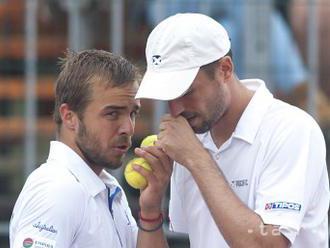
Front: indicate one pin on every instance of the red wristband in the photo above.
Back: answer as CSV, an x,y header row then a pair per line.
x,y
160,217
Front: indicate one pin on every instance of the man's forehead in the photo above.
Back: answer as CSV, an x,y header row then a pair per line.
x,y
127,88
115,97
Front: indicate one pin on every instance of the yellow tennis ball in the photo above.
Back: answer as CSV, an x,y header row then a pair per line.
x,y
133,178
149,140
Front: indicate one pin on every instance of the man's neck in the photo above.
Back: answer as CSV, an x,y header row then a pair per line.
x,y
224,128
68,139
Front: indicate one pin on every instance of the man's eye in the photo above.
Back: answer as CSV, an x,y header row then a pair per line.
x,y
112,114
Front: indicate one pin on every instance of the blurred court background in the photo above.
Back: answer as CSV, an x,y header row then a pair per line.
x,y
284,42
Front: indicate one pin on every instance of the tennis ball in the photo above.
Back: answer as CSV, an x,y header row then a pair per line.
x,y
133,178
149,140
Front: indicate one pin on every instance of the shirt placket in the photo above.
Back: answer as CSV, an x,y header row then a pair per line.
x,y
111,197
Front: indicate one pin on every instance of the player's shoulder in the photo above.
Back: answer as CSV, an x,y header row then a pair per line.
x,y
282,115
284,123
53,184
51,196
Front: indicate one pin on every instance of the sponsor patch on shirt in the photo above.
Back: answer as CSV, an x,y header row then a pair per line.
x,y
28,242
239,183
38,242
49,228
283,205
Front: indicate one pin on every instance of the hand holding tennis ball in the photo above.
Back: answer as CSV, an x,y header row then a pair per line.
x,y
133,178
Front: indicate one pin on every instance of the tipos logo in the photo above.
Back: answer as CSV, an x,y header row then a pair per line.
x,y
28,242
283,205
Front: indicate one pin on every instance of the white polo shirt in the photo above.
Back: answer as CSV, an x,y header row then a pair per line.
x,y
275,162
65,204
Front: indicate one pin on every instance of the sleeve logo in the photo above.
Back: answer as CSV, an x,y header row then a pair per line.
x,y
283,205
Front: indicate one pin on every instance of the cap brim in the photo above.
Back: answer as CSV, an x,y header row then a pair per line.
x,y
166,85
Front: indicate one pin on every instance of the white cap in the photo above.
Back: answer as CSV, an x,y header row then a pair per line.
x,y
176,49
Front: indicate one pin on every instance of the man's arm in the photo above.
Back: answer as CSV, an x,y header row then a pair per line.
x,y
239,225
152,234
150,220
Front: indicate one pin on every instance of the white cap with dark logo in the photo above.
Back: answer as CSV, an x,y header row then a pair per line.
x,y
176,49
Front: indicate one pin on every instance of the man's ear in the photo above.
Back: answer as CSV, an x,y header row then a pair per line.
x,y
69,118
226,67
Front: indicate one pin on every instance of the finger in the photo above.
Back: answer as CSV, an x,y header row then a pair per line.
x,y
150,177
182,119
163,139
160,136
164,124
161,128
153,161
158,152
166,117
159,163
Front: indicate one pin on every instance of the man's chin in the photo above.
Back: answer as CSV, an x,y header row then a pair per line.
x,y
113,165
117,166
200,129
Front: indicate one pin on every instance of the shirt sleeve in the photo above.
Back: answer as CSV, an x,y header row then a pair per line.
x,y
176,211
289,182
50,216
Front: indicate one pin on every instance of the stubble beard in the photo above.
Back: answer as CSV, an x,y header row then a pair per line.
x,y
92,151
217,111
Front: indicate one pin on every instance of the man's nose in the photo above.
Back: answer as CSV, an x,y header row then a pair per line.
x,y
175,107
127,126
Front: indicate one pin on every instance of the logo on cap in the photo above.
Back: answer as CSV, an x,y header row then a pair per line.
x,y
156,60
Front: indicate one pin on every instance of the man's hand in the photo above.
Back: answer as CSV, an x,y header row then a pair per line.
x,y
178,140
158,179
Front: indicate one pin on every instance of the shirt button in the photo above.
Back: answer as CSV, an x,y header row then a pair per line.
x,y
217,157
